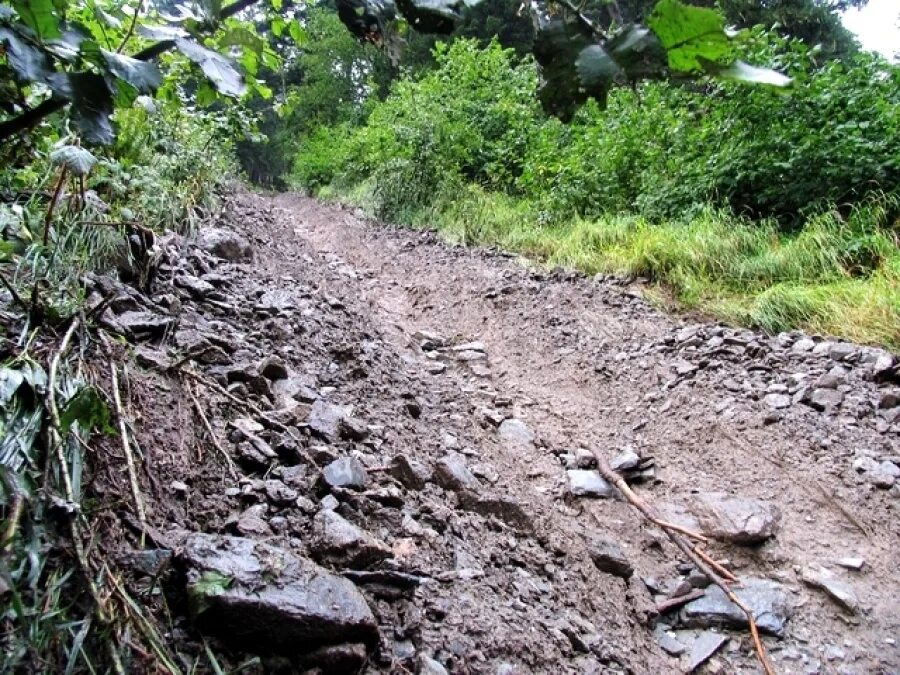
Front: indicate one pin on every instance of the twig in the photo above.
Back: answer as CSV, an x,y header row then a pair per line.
x,y
14,293
724,573
684,544
137,11
126,447
209,430
53,200
54,410
678,601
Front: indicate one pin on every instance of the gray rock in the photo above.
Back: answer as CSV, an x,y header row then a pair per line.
x,y
609,557
224,243
252,522
885,475
626,461
428,666
777,401
280,494
584,483
412,473
706,644
325,418
151,358
824,400
145,323
346,472
852,563
516,431
740,520
669,643
451,473
504,508
843,351
469,347
340,542
833,379
889,399
273,368
193,285
766,599
803,345
817,576
268,599
335,659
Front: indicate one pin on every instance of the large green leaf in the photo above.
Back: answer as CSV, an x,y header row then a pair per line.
x,y
691,36
92,104
143,76
218,69
30,63
558,44
76,159
638,51
40,16
88,410
596,68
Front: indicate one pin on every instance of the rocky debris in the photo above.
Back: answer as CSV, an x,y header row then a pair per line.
x,y
740,520
706,644
584,483
273,368
609,557
224,243
516,431
252,522
340,542
428,666
882,474
451,473
504,508
669,643
267,599
766,599
627,460
141,323
822,399
410,472
852,563
325,418
194,285
345,472
841,592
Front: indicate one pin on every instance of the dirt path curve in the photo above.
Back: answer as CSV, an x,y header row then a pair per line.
x,y
588,363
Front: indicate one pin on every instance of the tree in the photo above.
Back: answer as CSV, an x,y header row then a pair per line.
x,y
47,50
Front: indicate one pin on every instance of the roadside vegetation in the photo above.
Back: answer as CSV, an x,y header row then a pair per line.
x,y
772,209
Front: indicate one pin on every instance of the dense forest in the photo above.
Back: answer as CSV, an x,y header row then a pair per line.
x,y
731,158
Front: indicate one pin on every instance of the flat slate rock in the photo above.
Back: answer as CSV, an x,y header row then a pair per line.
x,y
739,520
706,644
584,483
608,557
841,592
338,541
516,431
345,472
451,473
325,418
267,599
766,599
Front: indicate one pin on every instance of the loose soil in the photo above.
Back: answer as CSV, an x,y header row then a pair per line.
x,y
367,316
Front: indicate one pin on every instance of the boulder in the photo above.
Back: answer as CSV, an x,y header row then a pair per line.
x,y
766,599
267,599
224,243
340,542
740,520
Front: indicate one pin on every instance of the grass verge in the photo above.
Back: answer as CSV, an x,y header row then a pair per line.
x,y
838,275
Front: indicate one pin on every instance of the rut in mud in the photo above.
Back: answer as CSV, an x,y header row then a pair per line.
x,y
412,490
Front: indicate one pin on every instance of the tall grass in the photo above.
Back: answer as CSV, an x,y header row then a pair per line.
x,y
837,275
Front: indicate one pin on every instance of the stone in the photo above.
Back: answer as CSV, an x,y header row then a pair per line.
x,y
428,666
503,508
626,461
410,472
340,542
852,563
148,357
777,401
608,557
280,494
335,659
352,429
740,520
833,379
706,644
889,399
583,483
823,399
825,580
585,459
194,285
470,347
346,472
268,599
884,475
451,473
803,345
325,418
224,243
145,323
273,368
668,642
516,431
842,351
252,523
766,599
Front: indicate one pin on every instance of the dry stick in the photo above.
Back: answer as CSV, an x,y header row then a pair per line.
x,y
126,447
724,573
682,543
678,601
53,200
209,430
137,11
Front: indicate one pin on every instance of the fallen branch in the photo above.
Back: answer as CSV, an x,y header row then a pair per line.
x,y
678,538
126,447
678,601
209,431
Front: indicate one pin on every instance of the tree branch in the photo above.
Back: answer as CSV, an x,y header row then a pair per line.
x,y
30,118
